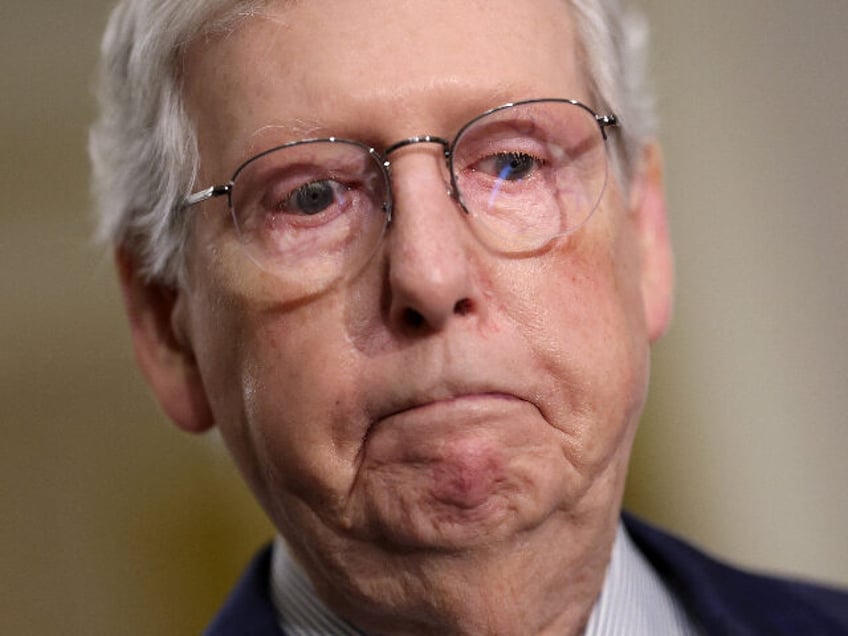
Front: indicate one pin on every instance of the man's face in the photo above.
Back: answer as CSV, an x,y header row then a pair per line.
x,y
447,399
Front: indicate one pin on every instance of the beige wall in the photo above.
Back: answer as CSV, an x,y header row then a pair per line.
x,y
744,448
115,523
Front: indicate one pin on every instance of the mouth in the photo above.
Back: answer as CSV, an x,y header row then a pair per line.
x,y
435,403
448,400
437,418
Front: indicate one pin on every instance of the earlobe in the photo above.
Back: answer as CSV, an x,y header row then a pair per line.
x,y
158,325
647,202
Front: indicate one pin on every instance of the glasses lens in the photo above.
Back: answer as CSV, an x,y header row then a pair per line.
x,y
311,212
531,172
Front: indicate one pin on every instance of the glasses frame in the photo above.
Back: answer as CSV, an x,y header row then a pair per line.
x,y
603,121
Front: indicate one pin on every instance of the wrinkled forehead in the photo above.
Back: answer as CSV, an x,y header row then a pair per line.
x,y
306,63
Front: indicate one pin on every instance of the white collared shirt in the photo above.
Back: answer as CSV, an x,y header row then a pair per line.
x,y
634,600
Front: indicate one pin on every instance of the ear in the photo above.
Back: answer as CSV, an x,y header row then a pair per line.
x,y
648,207
158,319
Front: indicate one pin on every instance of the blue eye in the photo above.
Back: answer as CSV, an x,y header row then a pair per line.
x,y
512,166
508,165
311,198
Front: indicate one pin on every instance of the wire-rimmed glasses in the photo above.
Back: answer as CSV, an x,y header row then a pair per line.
x,y
313,211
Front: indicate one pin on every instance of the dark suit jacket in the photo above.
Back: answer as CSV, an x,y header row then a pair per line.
x,y
724,601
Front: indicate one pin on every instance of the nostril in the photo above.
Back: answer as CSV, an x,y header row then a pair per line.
x,y
462,307
413,318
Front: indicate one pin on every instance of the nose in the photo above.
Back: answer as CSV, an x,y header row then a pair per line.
x,y
433,276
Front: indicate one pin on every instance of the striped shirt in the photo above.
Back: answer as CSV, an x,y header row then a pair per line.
x,y
634,601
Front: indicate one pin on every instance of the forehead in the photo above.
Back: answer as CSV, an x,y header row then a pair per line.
x,y
328,66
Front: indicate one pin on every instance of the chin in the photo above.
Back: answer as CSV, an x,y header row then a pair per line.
x,y
473,501
435,526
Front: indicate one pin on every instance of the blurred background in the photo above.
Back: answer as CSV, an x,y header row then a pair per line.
x,y
114,522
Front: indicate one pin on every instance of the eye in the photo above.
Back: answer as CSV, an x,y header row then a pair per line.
x,y
509,166
312,198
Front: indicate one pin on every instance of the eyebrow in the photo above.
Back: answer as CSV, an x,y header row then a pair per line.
x,y
275,134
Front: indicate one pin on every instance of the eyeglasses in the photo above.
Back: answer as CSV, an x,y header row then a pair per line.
x,y
313,211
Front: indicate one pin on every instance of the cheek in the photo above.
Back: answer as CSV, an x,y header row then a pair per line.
x,y
283,387
581,313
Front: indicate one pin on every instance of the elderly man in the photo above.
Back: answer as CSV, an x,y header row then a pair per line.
x,y
408,258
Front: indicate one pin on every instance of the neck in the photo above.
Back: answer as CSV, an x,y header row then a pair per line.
x,y
520,586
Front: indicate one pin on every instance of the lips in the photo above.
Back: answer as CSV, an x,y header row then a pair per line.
x,y
438,390
431,430
448,399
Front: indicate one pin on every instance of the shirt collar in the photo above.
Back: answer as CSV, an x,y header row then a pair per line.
x,y
634,600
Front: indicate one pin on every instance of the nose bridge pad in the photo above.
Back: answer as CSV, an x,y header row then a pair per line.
x,y
449,188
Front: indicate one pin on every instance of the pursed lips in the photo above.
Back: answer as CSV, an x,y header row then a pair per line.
x,y
451,383
425,403
438,410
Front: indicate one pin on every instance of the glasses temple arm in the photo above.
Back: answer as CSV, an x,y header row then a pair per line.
x,y
208,193
606,121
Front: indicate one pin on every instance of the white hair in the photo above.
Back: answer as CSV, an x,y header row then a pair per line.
x,y
143,145
612,44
